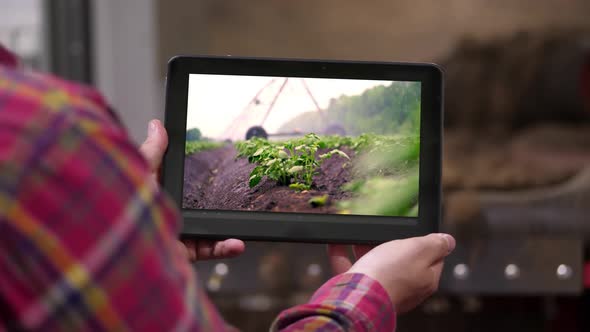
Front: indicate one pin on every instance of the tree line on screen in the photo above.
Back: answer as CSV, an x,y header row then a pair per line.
x,y
381,110
193,134
195,142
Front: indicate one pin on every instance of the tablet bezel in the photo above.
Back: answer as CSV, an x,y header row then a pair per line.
x,y
306,227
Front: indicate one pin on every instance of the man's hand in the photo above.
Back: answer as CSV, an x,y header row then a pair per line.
x,y
153,149
409,269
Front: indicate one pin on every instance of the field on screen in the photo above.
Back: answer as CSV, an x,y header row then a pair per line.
x,y
302,145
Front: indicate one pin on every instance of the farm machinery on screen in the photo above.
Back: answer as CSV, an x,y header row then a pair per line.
x,y
263,104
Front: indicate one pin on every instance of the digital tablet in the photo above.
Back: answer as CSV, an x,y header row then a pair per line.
x,y
304,150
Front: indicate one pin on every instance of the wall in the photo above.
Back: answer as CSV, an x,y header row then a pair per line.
x,y
125,61
411,30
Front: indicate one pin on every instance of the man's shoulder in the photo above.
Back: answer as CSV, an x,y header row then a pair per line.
x,y
30,93
39,111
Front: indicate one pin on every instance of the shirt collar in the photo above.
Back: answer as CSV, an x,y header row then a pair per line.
x,y
7,58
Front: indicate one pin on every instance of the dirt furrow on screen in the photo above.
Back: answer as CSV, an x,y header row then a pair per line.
x,y
201,169
215,180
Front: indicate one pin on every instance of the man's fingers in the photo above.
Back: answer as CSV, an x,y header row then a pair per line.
x,y
206,249
228,248
183,250
339,258
437,268
438,246
154,146
191,249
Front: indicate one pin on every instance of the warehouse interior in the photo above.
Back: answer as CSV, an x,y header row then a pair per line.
x,y
516,172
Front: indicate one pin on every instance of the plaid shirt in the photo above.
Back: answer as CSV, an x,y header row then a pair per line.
x,y
88,242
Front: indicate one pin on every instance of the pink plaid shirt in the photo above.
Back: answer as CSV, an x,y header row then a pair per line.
x,y
87,243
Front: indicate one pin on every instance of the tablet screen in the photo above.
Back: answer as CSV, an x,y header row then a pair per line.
x,y
302,145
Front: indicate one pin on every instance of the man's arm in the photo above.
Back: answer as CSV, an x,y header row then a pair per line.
x,y
88,240
347,302
363,297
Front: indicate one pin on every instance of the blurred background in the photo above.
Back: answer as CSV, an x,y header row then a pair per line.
x,y
516,172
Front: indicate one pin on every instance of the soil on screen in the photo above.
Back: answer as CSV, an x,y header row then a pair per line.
x,y
216,180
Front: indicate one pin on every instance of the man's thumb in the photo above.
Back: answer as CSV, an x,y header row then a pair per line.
x,y
439,245
154,146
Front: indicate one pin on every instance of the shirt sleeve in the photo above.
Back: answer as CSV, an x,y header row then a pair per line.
x,y
347,302
88,242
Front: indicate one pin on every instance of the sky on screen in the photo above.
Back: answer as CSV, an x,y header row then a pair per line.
x,y
219,102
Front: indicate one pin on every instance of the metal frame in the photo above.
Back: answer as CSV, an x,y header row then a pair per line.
x,y
69,34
